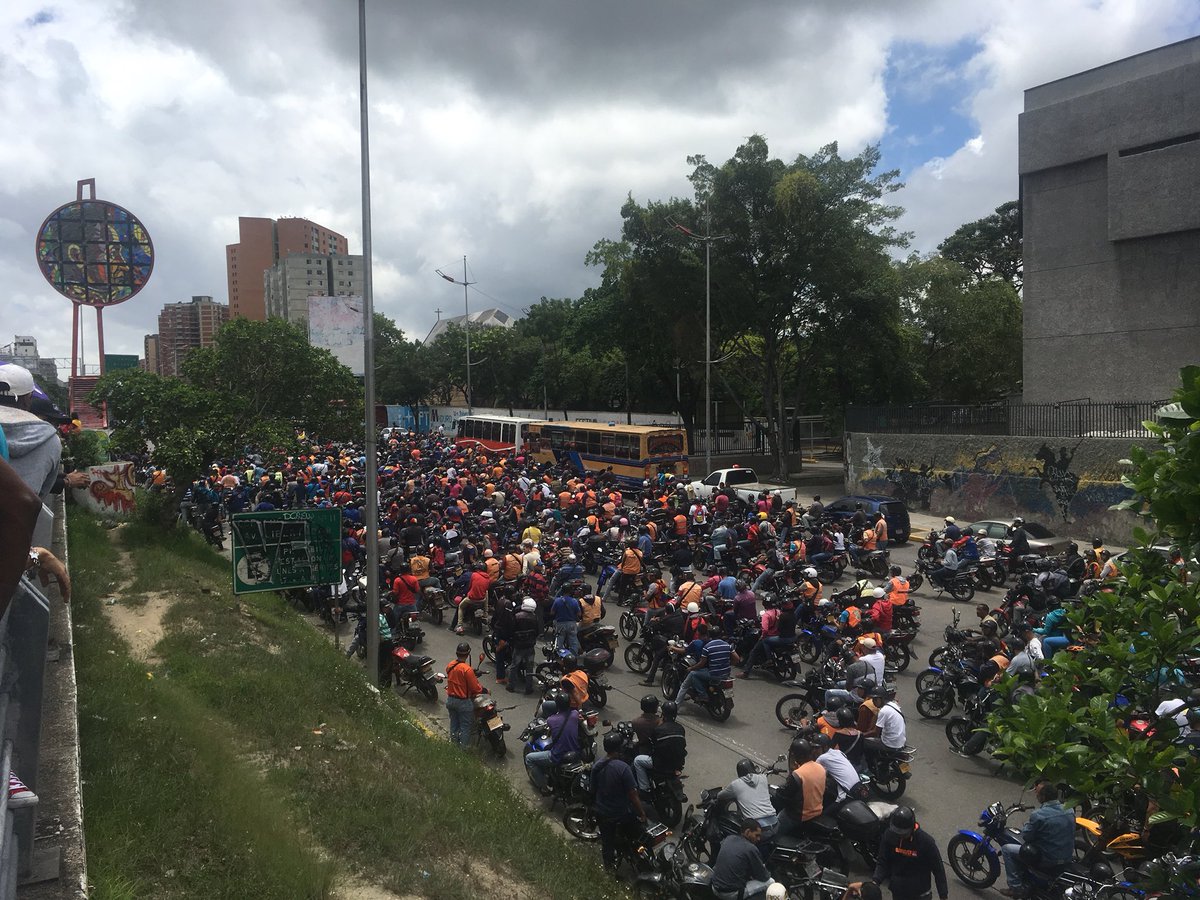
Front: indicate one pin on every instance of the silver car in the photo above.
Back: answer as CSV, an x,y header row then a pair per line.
x,y
1041,539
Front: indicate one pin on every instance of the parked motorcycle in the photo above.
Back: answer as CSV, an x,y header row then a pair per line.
x,y
412,671
874,564
489,725
961,731
960,586
954,685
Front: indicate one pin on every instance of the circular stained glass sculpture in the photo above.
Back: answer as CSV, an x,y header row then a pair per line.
x,y
95,253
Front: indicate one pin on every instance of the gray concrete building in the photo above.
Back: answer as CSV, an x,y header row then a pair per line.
x,y
294,278
1109,162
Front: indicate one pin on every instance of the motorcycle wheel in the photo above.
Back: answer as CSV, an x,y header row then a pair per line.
x,y
982,579
915,580
638,658
496,739
428,690
698,560
580,823
930,680
999,575
973,865
439,616
720,707
670,810
934,704
489,647
923,552
958,732
598,696
670,684
888,782
785,668
629,625
792,708
898,655
808,650
961,590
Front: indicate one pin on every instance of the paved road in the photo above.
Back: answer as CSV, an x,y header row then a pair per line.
x,y
947,791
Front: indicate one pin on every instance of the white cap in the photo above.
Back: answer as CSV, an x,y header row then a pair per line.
x,y
529,605
487,554
867,643
949,520
693,607
15,381
777,891
878,593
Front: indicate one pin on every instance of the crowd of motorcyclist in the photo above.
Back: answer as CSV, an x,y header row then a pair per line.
x,y
507,546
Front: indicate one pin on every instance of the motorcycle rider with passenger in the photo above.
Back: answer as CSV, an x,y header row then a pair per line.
x,y
668,750
802,797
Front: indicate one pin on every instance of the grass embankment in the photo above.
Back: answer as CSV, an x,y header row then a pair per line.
x,y
250,760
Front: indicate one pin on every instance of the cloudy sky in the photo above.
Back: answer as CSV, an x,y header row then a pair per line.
x,y
509,132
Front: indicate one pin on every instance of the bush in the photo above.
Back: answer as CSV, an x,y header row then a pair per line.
x,y
86,448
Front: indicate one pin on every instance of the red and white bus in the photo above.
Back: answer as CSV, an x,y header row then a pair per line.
x,y
499,434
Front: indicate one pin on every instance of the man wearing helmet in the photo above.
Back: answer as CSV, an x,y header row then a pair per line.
x,y
615,797
881,610
909,859
644,725
952,531
802,797
574,680
564,741
525,631
667,751
810,588
1018,540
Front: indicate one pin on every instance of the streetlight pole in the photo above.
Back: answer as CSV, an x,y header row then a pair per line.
x,y
466,324
707,240
371,481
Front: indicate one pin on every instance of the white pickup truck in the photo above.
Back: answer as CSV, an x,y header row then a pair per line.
x,y
744,481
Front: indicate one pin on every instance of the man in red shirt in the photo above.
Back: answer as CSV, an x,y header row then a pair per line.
x,y
476,598
407,592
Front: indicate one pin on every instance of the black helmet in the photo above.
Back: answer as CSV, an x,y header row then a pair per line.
x,y
821,742
549,708
670,710
902,820
613,741
847,717
835,703
1072,547
1097,543
802,749
895,570
568,660
463,649
1018,521
559,698
746,767
650,704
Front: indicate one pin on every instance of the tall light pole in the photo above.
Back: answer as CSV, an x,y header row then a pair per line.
x,y
707,240
371,482
466,325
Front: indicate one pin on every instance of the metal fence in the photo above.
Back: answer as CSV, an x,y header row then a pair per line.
x,y
750,436
1083,419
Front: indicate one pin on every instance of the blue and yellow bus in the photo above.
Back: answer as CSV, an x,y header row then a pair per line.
x,y
634,452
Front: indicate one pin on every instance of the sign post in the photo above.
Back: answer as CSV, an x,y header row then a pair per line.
x,y
282,549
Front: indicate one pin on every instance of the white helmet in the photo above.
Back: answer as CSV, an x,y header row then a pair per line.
x,y
878,593
949,520
528,605
810,572
487,513
693,607
487,554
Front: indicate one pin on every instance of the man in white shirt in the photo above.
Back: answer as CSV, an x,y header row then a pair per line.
x,y
1177,708
1033,644
873,657
837,765
531,556
890,728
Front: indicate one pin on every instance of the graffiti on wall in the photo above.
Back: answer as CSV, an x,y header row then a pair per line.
x,y
110,491
1072,486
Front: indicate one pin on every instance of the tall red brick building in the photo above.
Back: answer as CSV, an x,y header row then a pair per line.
x,y
261,244
182,326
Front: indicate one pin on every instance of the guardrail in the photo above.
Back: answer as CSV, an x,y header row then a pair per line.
x,y
24,632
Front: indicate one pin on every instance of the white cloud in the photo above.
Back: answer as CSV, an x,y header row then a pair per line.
x,y
510,137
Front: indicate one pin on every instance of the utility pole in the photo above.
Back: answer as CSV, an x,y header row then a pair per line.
x,y
372,468
707,240
466,324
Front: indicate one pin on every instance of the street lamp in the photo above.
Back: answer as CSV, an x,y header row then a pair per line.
x,y
466,324
707,240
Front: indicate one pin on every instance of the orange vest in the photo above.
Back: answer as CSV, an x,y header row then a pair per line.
x,y
578,682
897,590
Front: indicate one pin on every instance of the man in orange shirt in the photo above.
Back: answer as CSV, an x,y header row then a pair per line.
x,y
462,686
802,797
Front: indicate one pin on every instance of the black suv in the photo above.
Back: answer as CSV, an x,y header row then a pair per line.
x,y
895,513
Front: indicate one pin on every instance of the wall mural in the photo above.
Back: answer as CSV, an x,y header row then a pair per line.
x,y
110,492
956,475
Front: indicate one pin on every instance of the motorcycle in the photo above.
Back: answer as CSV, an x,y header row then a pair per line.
x,y
779,661
433,604
960,586
954,684
896,650
975,858
675,876
412,671
889,768
666,793
716,698
875,563
593,662
536,736
961,731
489,725
796,709
600,636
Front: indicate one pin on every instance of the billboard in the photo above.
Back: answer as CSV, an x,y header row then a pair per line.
x,y
336,324
281,549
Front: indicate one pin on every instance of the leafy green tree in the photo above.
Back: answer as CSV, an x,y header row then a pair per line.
x,y
257,385
967,333
989,247
1073,729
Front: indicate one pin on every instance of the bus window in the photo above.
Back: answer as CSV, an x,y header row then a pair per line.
x,y
509,433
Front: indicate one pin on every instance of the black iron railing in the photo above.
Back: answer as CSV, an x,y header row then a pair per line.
x,y
1083,419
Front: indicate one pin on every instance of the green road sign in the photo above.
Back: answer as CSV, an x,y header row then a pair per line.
x,y
286,548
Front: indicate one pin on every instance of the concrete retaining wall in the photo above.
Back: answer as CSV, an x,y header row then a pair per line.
x,y
1067,485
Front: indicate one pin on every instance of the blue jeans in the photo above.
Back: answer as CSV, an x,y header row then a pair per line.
x,y
462,716
698,681
566,634
1014,869
642,767
762,579
539,763
752,891
1051,645
939,575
